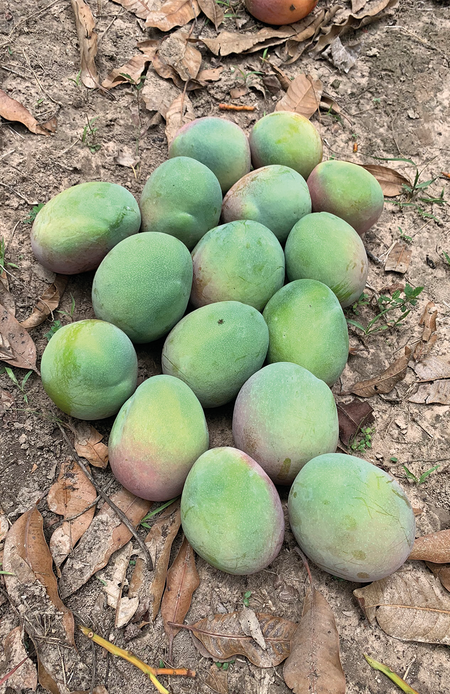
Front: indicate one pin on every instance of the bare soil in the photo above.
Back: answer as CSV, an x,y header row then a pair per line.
x,y
395,103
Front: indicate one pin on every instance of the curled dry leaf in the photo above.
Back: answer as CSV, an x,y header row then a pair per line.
x,y
429,335
87,39
442,571
105,535
179,112
70,495
173,13
399,258
433,368
327,103
303,96
113,579
314,664
408,605
133,67
48,303
352,416
16,346
391,181
25,677
12,110
182,581
213,11
386,381
223,638
217,680
177,54
88,444
436,392
141,8
434,548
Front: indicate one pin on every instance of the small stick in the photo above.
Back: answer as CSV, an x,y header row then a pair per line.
x,y
11,672
235,107
392,676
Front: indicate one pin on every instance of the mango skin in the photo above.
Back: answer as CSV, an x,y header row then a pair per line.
x,y
89,369
143,285
324,247
276,196
240,261
307,326
279,12
182,198
218,143
215,349
283,417
286,138
348,191
157,436
77,227
231,513
351,518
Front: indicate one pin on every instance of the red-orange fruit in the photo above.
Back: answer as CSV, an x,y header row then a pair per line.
x,y
279,11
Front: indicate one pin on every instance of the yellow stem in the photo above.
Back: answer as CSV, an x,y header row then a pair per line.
x,y
392,676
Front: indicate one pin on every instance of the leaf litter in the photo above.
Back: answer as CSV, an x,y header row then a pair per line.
x,y
12,110
399,258
88,444
386,381
88,41
14,653
352,416
16,346
303,96
434,548
48,303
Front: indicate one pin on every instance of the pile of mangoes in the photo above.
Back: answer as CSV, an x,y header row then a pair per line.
x,y
226,257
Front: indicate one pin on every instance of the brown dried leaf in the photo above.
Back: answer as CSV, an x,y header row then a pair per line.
x,y
339,56
141,8
352,416
251,626
228,42
210,75
4,526
158,94
327,103
105,535
217,680
6,402
314,664
436,392
386,381
133,67
16,346
88,444
177,54
357,5
429,335
87,39
25,677
308,29
71,494
303,96
408,605
399,258
434,548
182,581
113,578
179,112
238,92
6,298
12,110
173,13
442,571
391,181
48,303
213,11
283,78
222,636
433,368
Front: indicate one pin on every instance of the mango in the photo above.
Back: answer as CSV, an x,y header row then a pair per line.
x,y
75,230
307,326
351,518
276,196
231,513
182,198
348,191
215,349
324,247
89,369
286,138
143,285
240,261
157,436
279,11
283,417
218,143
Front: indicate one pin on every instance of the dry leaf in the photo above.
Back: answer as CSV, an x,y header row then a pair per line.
x,y
303,96
386,381
105,535
357,5
157,93
251,627
217,680
238,92
391,181
25,677
4,526
282,77
12,110
88,444
213,11
141,8
429,335
210,75
16,346
433,368
71,494
113,579
314,664
6,402
48,303
303,39
408,605
352,417
327,103
128,158
179,112
442,571
182,581
434,548
176,55
222,636
399,258
87,38
436,392
339,56
173,13
133,67
6,298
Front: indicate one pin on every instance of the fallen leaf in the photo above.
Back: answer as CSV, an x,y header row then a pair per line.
x,y
157,93
391,181
433,368
308,29
6,402
179,112
4,526
303,96
133,67
386,381
25,677
68,496
6,298
88,444
48,303
105,535
213,11
210,75
313,664
238,92
16,346
282,77
217,680
182,581
222,636
173,13
442,571
339,56
251,627
271,83
434,548
429,335
113,579
12,110
87,39
327,103
408,605
141,8
399,258
177,55
352,417
357,5
127,158
437,392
